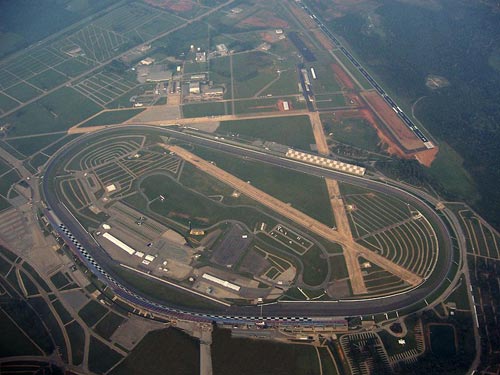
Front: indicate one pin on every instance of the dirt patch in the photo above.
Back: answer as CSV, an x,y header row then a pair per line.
x,y
176,6
394,124
435,82
392,147
342,77
427,157
424,157
264,19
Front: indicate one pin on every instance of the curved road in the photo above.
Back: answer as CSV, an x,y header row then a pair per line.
x,y
282,309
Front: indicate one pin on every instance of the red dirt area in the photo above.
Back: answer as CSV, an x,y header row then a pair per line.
x,y
342,77
392,147
176,6
427,157
396,126
325,42
264,19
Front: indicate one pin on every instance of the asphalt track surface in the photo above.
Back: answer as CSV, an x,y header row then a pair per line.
x,y
345,307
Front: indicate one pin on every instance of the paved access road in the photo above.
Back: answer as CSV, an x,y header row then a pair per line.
x,y
347,307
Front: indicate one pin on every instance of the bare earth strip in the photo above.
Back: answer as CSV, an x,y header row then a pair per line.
x,y
351,248
343,229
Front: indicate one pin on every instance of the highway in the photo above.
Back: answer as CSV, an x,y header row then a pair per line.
x,y
370,79
286,312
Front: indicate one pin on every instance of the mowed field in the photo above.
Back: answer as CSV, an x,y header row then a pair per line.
x,y
52,64
294,131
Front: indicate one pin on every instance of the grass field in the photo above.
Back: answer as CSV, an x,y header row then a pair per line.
x,y
18,344
47,80
449,171
6,103
325,81
55,330
339,267
354,132
29,146
52,113
306,193
291,131
31,289
23,92
29,321
112,117
101,357
62,312
204,109
4,166
108,325
77,342
260,357
256,105
7,181
183,205
287,84
92,312
327,101
59,280
251,73
167,351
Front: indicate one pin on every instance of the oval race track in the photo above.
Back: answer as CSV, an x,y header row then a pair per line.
x,y
285,312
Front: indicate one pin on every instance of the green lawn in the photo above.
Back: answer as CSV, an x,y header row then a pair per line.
x,y
23,92
47,80
167,351
354,132
29,146
14,342
339,267
204,109
6,103
92,312
101,357
7,181
59,280
77,342
4,166
292,131
260,357
449,171
287,84
306,193
108,325
55,112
